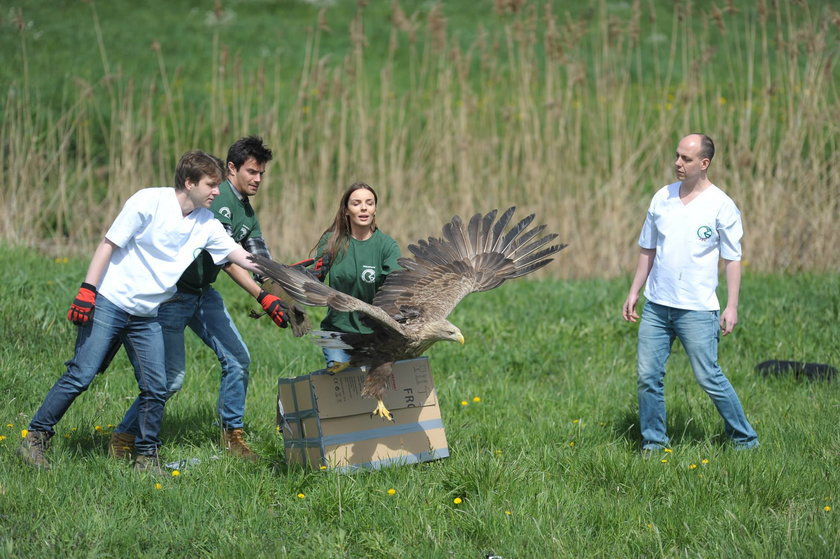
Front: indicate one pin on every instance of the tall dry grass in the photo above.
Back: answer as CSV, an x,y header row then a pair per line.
x,y
573,118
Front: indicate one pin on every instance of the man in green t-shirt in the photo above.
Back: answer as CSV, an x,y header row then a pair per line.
x,y
198,305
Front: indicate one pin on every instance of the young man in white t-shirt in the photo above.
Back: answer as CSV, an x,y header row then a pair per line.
x,y
690,225
134,269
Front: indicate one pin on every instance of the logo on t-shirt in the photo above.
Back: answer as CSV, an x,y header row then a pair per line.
x,y
704,232
369,274
243,232
225,211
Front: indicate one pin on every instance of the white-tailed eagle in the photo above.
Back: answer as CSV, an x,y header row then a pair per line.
x,y
409,311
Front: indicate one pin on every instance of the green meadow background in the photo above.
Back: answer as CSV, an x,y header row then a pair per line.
x,y
568,109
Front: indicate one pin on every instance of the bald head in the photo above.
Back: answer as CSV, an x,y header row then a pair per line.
x,y
693,157
707,146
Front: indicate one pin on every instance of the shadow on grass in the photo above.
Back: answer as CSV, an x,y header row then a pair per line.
x,y
682,429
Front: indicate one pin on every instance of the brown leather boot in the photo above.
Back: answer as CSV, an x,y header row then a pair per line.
x,y
121,445
33,449
232,442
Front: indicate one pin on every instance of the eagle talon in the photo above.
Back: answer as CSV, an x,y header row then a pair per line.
x,y
338,367
382,411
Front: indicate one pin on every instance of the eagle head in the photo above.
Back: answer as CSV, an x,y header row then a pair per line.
x,y
443,330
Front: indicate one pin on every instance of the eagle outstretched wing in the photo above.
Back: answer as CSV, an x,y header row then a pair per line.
x,y
306,289
465,260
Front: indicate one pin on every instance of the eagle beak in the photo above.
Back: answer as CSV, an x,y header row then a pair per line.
x,y
460,338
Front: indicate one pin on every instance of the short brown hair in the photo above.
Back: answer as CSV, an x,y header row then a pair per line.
x,y
195,165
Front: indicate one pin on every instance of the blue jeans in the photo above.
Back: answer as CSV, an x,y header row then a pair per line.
x,y
143,343
699,333
207,316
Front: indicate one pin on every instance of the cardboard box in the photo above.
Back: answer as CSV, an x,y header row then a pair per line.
x,y
326,421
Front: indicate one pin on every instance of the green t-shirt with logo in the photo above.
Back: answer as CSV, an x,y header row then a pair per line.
x,y
240,221
360,270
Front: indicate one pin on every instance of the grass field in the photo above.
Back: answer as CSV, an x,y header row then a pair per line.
x,y
546,464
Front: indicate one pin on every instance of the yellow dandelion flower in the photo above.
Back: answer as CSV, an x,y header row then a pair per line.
x,y
668,450
322,468
827,508
158,486
2,437
692,467
110,426
176,473
476,399
650,526
392,491
664,460
507,512
704,461
301,496
457,500
23,433
98,428
497,452
576,421
572,443
464,403
10,425
66,435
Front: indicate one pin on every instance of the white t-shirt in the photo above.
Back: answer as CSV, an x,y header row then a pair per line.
x,y
689,241
157,243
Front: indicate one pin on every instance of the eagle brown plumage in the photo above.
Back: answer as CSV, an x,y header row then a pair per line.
x,y
409,311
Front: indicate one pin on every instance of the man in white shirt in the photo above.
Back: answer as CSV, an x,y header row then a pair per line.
x,y
690,225
134,269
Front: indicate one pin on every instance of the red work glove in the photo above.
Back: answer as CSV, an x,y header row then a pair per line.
x,y
274,307
81,311
304,263
322,266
